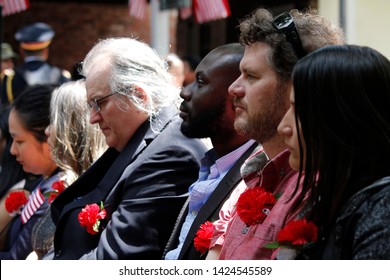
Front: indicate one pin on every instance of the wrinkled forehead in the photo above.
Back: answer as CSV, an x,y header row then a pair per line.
x,y
97,82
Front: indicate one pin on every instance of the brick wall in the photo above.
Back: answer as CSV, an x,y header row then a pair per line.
x,y
79,26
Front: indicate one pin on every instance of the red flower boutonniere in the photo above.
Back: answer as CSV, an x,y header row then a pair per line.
x,y
254,205
15,201
58,187
203,236
293,237
90,217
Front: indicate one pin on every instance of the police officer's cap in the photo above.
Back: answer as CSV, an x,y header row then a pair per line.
x,y
35,36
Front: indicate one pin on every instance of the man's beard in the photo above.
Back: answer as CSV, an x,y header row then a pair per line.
x,y
261,125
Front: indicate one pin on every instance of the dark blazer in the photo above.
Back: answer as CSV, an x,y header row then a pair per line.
x,y
209,211
361,230
143,189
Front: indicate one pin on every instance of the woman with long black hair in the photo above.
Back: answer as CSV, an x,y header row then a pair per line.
x,y
338,132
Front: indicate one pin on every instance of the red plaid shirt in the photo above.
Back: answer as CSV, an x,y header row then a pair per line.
x,y
241,242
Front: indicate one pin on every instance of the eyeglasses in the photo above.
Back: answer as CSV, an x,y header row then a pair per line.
x,y
284,23
94,103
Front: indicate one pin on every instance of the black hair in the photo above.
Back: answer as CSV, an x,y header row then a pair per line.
x,y
342,101
11,171
33,108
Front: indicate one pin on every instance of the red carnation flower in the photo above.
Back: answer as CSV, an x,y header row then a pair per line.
x,y
203,237
254,205
297,233
90,217
293,237
15,201
58,187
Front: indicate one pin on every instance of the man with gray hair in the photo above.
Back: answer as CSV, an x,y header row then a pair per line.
x,y
125,205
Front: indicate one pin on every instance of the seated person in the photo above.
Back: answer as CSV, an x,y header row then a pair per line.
x,y
338,132
136,189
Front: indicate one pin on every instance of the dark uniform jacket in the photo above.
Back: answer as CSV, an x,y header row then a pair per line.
x,y
33,72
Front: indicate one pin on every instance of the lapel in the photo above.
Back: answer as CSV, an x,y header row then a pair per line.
x,y
174,237
84,184
140,140
210,209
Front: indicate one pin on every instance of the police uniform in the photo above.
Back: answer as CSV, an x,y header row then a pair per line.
x,y
33,38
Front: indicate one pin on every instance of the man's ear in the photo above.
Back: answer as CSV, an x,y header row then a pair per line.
x,y
140,93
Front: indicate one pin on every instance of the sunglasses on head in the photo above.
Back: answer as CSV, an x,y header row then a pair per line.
x,y
284,23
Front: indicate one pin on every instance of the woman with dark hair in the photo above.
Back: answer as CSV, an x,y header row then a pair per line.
x,y
12,175
11,171
338,132
28,119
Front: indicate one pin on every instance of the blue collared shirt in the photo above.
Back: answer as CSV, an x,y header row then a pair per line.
x,y
211,172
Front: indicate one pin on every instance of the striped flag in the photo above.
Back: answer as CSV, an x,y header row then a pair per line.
x,y
137,8
208,10
14,6
35,201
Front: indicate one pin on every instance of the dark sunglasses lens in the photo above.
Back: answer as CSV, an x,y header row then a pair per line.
x,y
283,20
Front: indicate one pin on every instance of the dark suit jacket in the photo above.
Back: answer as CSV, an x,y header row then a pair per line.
x,y
143,189
209,211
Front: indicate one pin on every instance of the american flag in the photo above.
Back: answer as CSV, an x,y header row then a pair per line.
x,y
35,201
14,6
206,10
137,8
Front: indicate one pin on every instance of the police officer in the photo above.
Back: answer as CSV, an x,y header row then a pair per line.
x,y
34,40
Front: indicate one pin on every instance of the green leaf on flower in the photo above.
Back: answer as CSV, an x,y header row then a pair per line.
x,y
47,194
278,195
96,226
272,245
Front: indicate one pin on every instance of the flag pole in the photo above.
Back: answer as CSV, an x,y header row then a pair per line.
x,y
159,24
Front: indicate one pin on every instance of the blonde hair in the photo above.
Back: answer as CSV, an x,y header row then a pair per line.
x,y
76,143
